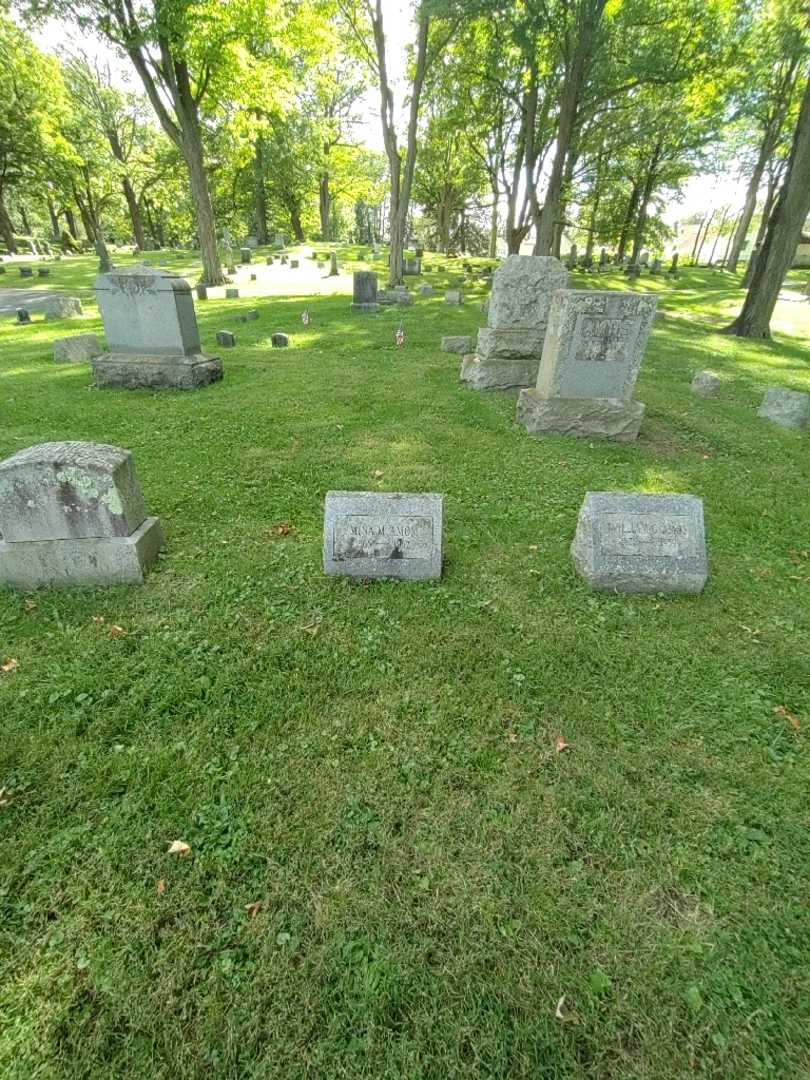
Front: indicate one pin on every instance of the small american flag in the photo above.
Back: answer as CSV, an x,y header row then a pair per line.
x,y
399,336
305,317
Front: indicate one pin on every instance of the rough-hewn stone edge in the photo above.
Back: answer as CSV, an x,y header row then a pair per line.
x,y
124,372
583,418
512,374
368,308
93,562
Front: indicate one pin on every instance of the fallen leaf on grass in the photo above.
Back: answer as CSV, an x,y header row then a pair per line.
x,y
254,908
9,664
560,744
30,605
791,718
5,797
160,887
284,528
797,557
99,620
117,631
179,847
312,629
378,474
533,547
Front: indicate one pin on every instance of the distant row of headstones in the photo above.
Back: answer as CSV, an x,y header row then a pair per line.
x,y
607,262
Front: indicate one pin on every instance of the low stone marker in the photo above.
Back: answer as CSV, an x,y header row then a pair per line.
x,y
293,264
23,316
152,333
368,534
591,357
43,271
787,408
62,307
253,277
253,313
279,341
705,384
426,290
201,291
231,294
334,270
246,254
510,345
74,350
269,260
26,271
226,339
284,260
364,291
641,543
73,514
412,267
452,296
457,343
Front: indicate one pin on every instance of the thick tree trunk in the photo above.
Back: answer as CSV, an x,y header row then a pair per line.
x,y
7,228
750,204
325,206
87,221
88,207
206,225
70,218
784,229
134,213
295,221
770,198
260,192
586,32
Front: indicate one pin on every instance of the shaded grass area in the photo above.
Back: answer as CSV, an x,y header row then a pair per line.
x,y
442,893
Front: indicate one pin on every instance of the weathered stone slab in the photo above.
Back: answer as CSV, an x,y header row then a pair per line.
x,y
245,254
452,296
364,291
426,290
383,535
592,353
62,307
788,408
522,288
23,316
57,491
74,350
279,341
641,543
457,343
705,384
226,338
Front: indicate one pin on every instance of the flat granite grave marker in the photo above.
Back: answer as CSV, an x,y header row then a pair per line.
x,y
371,534
73,514
705,384
510,345
152,333
226,339
788,408
591,357
641,543
364,291
74,350
62,307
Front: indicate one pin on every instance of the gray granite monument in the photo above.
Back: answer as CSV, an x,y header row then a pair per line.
x,y
151,331
73,514
364,291
787,408
591,357
383,535
74,350
511,344
641,543
705,384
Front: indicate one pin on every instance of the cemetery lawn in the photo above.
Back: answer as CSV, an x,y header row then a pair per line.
x,y
494,826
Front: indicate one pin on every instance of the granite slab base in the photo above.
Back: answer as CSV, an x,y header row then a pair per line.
x,y
481,374
584,418
120,371
358,309
92,561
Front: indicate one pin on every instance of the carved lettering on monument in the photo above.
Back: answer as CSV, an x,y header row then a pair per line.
x,y
133,284
361,536
646,536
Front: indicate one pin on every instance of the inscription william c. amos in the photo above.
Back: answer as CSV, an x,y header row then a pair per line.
x,y
647,536
363,536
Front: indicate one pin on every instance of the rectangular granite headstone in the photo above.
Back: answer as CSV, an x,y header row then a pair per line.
x,y
371,534
641,543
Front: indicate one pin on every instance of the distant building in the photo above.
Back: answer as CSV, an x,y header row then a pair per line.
x,y
802,257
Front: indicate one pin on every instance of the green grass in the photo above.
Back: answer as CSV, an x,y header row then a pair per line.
x,y
376,763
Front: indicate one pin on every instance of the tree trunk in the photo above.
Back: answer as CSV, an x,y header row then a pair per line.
x,y
763,227
644,198
295,220
717,237
54,220
750,204
630,213
93,217
325,203
590,18
260,192
782,237
699,246
134,213
6,227
206,225
493,226
70,218
87,222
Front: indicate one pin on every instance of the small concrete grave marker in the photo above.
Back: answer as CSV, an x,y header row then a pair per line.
x,y
426,290
43,271
591,357
334,270
364,291
452,296
245,254
705,384
73,514
787,408
201,291
74,350
226,338
23,316
62,307
510,345
641,543
457,343
26,271
279,341
383,535
152,332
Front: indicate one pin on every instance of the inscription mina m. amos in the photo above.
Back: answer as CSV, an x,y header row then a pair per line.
x,y
363,536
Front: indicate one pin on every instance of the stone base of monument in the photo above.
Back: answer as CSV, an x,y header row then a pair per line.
x,y
480,374
359,308
92,561
586,418
121,371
